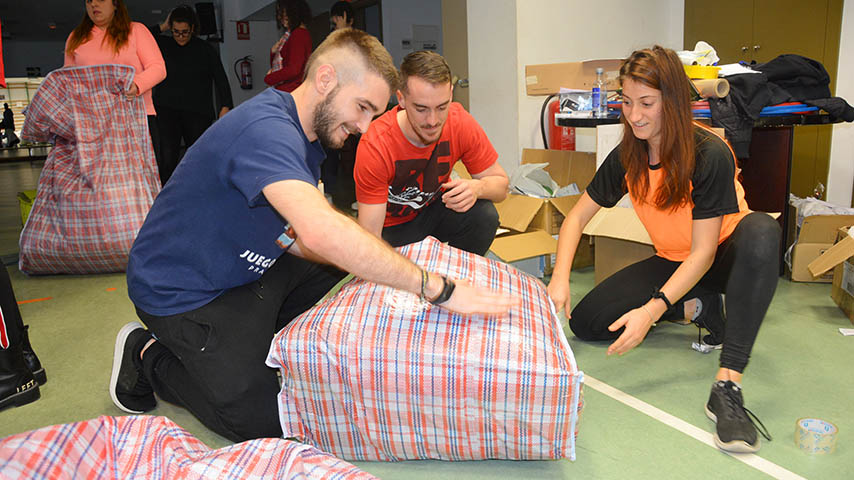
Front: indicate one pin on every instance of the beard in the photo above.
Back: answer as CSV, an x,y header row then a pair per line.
x,y
326,122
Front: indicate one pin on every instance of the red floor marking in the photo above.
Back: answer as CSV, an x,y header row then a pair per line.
x,y
34,300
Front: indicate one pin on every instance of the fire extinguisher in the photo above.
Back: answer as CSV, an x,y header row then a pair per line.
x,y
243,70
560,138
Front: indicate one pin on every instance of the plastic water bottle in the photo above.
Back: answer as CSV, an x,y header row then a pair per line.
x,y
600,95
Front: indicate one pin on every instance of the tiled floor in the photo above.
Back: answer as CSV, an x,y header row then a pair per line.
x,y
801,367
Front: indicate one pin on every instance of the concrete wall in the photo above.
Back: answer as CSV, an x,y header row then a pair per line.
x,y
18,55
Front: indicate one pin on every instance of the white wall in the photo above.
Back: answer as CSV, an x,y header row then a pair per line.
x,y
18,55
506,35
841,174
262,34
398,18
493,78
547,34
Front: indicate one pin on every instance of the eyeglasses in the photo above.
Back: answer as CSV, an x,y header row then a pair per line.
x,y
181,33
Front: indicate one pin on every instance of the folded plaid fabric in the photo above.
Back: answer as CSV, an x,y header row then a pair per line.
x,y
374,374
150,448
100,178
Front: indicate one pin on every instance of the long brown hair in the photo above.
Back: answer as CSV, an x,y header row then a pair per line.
x,y
661,69
117,32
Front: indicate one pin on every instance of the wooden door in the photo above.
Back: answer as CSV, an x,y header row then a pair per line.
x,y
726,25
455,46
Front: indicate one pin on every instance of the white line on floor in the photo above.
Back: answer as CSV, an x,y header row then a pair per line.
x,y
703,436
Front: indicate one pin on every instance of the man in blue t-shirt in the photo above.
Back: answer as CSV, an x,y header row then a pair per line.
x,y
240,241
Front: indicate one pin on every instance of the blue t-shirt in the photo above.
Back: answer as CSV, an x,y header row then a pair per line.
x,y
211,228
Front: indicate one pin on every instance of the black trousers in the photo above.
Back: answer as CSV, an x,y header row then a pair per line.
x,y
175,125
12,327
472,231
154,132
745,269
211,360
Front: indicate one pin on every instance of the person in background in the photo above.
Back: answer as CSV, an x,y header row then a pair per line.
x,y
341,15
682,180
21,373
404,163
106,35
184,101
340,159
8,126
243,242
291,15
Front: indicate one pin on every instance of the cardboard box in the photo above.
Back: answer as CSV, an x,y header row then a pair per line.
x,y
620,240
548,78
527,251
817,234
521,213
840,258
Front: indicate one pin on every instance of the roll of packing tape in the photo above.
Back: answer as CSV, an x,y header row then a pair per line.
x,y
815,436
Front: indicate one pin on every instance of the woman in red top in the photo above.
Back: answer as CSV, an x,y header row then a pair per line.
x,y
682,180
292,15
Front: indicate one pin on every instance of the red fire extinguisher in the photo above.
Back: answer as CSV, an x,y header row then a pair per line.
x,y
560,138
243,70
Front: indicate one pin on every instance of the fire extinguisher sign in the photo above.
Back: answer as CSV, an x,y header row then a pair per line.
x,y
242,30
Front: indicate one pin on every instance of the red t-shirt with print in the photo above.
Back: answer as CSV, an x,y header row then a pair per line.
x,y
390,169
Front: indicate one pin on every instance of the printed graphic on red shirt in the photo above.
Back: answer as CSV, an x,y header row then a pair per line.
x,y
417,181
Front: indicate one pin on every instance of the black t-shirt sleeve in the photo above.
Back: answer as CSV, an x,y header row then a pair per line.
x,y
609,184
713,181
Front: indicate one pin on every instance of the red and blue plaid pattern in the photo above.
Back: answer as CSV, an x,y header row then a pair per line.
x,y
151,448
100,178
374,374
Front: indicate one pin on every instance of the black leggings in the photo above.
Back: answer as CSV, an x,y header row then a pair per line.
x,y
745,270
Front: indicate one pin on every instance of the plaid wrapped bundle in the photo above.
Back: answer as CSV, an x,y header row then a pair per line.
x,y
374,374
151,448
100,178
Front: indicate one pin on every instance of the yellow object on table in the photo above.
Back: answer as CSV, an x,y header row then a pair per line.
x,y
700,71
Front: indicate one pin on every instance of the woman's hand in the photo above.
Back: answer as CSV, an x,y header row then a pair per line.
x,y
132,92
637,321
559,293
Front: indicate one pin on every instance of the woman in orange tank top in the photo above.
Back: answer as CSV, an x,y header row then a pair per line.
x,y
682,181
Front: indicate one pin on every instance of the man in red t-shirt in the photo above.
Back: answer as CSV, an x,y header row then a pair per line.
x,y
404,163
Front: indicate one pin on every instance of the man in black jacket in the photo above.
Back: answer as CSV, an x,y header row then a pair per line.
x,y
184,101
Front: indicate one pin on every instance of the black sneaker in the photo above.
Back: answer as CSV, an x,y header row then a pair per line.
x,y
735,429
713,319
129,388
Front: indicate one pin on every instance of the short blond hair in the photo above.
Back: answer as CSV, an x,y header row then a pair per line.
x,y
374,57
427,65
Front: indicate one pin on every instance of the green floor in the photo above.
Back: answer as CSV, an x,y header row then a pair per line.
x,y
801,367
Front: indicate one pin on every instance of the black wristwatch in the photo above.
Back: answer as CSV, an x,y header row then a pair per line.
x,y
447,290
659,294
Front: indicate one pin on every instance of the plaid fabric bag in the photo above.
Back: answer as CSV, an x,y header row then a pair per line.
x,y
100,178
374,374
151,448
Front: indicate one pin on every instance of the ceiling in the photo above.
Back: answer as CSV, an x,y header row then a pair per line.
x,y
32,20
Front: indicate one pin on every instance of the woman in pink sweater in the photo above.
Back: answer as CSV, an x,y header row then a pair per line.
x,y
106,35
